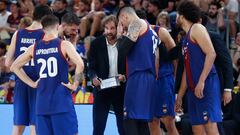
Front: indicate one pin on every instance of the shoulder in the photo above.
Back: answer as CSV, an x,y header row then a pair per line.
x,y
98,41
65,42
135,29
197,29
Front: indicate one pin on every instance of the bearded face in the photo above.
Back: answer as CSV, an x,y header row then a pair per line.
x,y
213,11
110,30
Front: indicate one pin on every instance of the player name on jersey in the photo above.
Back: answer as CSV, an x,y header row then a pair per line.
x,y
46,51
28,40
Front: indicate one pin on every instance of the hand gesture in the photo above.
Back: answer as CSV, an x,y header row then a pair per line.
x,y
121,78
96,82
227,97
70,86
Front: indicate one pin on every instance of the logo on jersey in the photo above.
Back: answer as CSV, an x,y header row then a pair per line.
x,y
205,116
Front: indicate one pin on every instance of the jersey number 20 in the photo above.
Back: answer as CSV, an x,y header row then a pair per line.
x,y
51,65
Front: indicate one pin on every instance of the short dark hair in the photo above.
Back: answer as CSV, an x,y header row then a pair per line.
x,y
189,10
63,1
155,3
70,18
215,3
40,11
141,14
204,17
49,20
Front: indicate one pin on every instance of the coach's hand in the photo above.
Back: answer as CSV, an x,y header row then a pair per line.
x,y
227,97
199,90
70,86
96,81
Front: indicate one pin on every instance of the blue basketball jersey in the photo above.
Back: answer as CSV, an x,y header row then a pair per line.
x,y
52,96
165,68
24,39
142,55
194,59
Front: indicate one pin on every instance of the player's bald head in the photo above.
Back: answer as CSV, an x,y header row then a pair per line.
x,y
127,10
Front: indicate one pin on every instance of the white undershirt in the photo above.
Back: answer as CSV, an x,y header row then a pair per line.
x,y
113,59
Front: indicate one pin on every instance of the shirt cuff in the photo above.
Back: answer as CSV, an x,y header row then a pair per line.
x,y
228,90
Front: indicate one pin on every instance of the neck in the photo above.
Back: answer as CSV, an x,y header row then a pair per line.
x,y
186,26
112,41
155,13
35,25
50,34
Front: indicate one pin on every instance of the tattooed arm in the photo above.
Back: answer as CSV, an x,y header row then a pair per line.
x,y
68,50
134,30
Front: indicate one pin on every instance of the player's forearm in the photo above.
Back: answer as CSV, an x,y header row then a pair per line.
x,y
79,75
22,75
209,60
183,86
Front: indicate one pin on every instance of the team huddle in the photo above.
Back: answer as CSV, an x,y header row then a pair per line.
x,y
40,58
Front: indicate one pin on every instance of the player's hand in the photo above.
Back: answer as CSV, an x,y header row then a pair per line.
x,y
96,81
227,97
35,84
119,29
178,105
70,86
199,90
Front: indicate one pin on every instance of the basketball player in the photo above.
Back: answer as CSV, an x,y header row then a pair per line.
x,y
54,106
25,96
165,91
141,42
200,76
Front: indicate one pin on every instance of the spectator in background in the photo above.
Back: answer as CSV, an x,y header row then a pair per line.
x,y
3,48
93,18
215,21
237,54
145,4
4,72
203,4
4,14
87,42
163,20
25,22
14,19
153,11
136,4
170,6
26,7
232,13
81,8
42,2
60,8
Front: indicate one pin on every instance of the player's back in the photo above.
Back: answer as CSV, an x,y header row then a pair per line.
x,y
165,68
142,54
24,39
52,96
